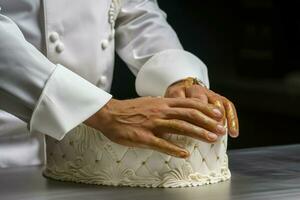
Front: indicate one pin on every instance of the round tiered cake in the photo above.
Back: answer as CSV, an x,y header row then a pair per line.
x,y
85,155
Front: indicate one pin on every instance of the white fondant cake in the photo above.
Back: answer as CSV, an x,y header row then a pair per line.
x,y
87,156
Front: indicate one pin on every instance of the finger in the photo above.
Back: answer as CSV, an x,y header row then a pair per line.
x,y
209,110
196,92
196,118
217,101
179,93
232,118
150,141
166,147
184,128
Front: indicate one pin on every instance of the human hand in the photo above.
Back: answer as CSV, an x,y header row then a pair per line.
x,y
142,122
187,89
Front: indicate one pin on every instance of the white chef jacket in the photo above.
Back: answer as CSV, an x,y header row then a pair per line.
x,y
56,65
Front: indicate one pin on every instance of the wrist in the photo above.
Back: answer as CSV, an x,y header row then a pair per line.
x,y
100,118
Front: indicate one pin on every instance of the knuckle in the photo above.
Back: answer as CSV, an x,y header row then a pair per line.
x,y
164,112
175,124
165,103
171,122
158,111
155,110
194,114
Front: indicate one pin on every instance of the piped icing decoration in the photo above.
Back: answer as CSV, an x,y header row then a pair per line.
x,y
93,159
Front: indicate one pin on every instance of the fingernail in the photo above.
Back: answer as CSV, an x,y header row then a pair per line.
x,y
212,136
183,154
233,125
235,135
217,112
221,129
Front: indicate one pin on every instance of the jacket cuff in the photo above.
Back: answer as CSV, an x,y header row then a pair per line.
x,y
167,67
66,101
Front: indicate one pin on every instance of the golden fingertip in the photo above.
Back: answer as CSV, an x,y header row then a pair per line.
x,y
184,154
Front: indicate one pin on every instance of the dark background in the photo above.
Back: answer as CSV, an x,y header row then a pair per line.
x,y
251,48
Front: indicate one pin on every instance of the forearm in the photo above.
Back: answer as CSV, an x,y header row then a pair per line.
x,y
24,71
152,50
49,97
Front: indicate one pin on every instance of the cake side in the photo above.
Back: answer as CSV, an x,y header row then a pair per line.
x,y
87,156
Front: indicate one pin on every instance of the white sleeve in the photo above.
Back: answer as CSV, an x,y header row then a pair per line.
x,y
49,97
151,49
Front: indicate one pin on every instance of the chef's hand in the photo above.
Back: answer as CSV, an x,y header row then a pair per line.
x,y
188,89
142,122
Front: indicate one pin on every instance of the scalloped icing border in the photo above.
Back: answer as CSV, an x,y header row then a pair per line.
x,y
180,177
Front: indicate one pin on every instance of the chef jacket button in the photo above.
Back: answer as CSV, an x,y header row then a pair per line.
x,y
60,47
54,37
112,35
111,19
103,81
104,44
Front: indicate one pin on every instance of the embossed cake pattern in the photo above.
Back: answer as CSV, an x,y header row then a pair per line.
x,y
87,156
